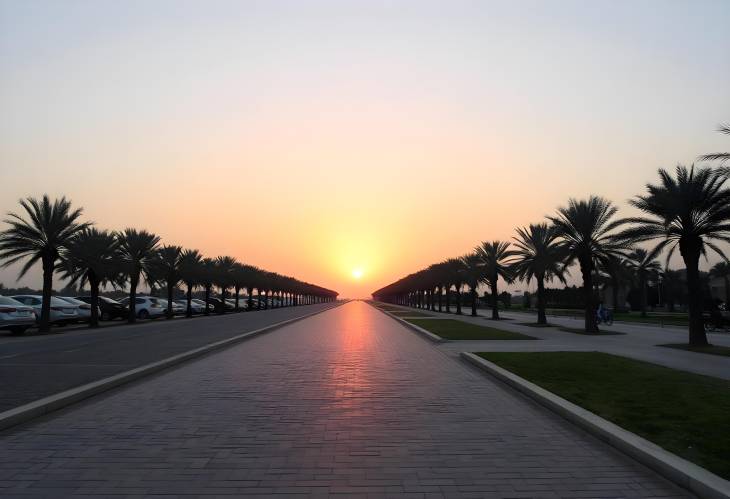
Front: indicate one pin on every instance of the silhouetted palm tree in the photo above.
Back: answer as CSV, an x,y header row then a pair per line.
x,y
91,256
721,156
585,230
167,267
690,211
207,276
190,265
473,274
41,237
137,250
539,256
224,267
456,278
495,259
721,270
618,274
643,264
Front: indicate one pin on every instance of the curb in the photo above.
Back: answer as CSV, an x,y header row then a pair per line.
x,y
672,467
426,334
32,410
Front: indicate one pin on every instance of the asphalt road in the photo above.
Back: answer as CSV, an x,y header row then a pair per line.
x,y
33,367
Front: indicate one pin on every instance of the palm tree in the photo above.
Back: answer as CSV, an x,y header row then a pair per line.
x,y
539,256
91,256
473,273
455,271
190,268
721,270
721,156
167,266
690,211
224,267
42,236
618,273
495,259
585,231
643,264
137,250
207,277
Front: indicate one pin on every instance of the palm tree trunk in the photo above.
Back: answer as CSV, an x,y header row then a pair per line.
x,y
727,293
474,301
541,316
189,311
45,324
614,295
495,299
207,300
250,299
448,299
458,300
238,291
258,306
691,254
169,299
94,284
441,293
223,301
643,297
133,279
586,270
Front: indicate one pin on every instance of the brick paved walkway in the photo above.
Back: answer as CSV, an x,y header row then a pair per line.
x,y
347,402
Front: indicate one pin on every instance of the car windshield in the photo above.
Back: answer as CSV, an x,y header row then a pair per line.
x,y
72,301
6,300
58,302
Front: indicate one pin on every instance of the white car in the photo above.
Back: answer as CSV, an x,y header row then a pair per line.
x,y
146,307
62,312
196,308
84,309
14,316
201,303
177,309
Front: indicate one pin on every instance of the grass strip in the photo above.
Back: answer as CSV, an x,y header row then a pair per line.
x,y
452,329
685,413
711,349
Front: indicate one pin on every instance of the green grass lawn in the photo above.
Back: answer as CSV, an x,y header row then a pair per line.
x,y
669,318
451,329
409,313
711,349
580,330
687,414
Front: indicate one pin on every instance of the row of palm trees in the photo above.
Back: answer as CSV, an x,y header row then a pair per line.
x,y
688,211
51,233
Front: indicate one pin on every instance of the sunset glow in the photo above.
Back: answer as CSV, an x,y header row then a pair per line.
x,y
350,143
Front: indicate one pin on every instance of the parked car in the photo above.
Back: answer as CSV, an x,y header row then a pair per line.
x,y
109,309
14,316
196,308
217,303
62,312
176,308
146,307
211,307
84,309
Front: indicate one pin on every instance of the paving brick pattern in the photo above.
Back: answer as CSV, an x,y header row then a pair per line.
x,y
347,403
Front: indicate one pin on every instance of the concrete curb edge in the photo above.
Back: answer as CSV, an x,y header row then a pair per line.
x,y
680,471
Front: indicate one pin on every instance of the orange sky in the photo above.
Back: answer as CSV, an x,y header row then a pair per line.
x,y
315,141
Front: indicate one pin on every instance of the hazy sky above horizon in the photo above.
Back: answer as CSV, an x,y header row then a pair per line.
x,y
313,138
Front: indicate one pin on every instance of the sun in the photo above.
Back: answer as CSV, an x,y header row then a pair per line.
x,y
357,273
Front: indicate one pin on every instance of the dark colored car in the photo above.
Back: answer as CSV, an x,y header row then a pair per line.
x,y
217,303
110,309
